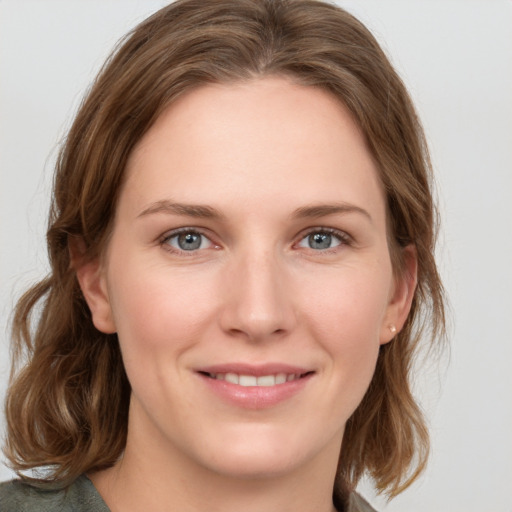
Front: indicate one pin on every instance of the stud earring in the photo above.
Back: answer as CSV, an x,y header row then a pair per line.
x,y
392,328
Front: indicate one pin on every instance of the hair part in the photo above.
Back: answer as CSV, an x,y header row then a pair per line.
x,y
67,407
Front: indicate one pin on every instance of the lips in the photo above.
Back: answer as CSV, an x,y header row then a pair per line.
x,y
255,387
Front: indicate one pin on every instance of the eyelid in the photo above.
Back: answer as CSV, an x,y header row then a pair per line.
x,y
163,239
344,238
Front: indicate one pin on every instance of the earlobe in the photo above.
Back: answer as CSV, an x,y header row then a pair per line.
x,y
402,296
91,278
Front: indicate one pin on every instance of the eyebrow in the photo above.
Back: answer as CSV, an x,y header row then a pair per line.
x,y
190,210
322,210
208,212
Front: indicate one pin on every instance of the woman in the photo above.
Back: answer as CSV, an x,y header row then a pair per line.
x,y
241,243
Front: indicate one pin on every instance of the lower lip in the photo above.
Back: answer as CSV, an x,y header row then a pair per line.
x,y
256,397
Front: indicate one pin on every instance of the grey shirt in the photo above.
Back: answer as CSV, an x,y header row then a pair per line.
x,y
82,496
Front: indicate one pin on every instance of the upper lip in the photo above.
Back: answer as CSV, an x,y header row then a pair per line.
x,y
254,369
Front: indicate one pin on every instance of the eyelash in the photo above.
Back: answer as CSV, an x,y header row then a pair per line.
x,y
164,241
344,239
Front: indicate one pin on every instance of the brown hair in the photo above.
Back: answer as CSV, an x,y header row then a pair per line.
x,y
67,406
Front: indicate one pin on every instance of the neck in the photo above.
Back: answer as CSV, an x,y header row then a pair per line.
x,y
151,477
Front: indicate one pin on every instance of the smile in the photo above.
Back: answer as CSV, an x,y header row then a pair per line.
x,y
255,386
253,380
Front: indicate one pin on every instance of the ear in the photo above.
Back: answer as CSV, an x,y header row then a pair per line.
x,y
92,281
401,297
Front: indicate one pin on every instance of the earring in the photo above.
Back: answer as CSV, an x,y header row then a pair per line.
x,y
392,328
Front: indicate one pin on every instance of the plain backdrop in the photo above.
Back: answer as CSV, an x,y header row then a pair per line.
x,y
456,58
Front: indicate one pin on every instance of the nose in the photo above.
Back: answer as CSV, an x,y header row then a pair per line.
x,y
258,301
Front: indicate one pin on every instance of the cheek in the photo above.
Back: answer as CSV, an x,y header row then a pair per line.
x,y
350,306
346,319
157,310
159,318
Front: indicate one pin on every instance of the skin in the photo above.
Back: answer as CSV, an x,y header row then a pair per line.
x,y
257,290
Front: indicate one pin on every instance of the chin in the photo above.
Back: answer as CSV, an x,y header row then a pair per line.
x,y
252,465
259,453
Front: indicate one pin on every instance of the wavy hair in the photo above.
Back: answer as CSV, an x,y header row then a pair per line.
x,y
67,403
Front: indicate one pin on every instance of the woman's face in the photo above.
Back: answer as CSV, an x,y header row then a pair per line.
x,y
248,278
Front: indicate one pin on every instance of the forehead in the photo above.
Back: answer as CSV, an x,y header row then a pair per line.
x,y
263,140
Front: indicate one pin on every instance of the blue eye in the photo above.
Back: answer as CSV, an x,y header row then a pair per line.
x,y
188,241
321,240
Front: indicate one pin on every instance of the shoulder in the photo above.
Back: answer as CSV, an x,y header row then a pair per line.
x,y
80,496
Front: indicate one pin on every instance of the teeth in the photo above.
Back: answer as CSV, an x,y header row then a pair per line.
x,y
251,380
280,378
266,380
247,380
230,377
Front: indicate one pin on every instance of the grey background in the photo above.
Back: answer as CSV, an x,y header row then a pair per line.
x,y
456,58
